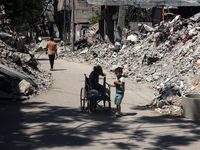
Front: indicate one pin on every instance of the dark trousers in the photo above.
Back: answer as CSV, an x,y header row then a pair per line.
x,y
51,60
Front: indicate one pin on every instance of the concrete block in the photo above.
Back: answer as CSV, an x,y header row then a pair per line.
x,y
191,103
24,88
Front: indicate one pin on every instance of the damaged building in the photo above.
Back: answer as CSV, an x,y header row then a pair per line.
x,y
82,10
112,23
111,26
164,56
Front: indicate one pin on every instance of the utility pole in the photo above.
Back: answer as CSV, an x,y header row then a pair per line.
x,y
73,34
64,38
69,22
163,13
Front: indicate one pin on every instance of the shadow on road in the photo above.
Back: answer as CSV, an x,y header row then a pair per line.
x,y
59,69
53,126
42,59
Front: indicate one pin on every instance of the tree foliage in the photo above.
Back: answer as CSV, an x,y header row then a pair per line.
x,y
23,12
138,15
95,19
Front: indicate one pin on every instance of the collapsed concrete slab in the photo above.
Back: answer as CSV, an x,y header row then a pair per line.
x,y
15,75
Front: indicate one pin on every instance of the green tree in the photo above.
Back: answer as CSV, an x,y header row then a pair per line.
x,y
95,19
137,15
23,13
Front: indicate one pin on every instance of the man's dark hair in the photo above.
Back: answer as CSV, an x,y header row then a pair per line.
x,y
52,38
119,69
100,70
97,69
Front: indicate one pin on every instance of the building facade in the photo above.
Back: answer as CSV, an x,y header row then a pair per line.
x,y
82,11
110,26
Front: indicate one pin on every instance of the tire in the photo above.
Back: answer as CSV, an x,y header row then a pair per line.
x,y
82,99
107,105
88,109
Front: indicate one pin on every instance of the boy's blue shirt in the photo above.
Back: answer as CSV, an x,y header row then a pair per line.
x,y
120,88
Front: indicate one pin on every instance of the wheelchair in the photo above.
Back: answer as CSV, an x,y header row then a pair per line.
x,y
88,101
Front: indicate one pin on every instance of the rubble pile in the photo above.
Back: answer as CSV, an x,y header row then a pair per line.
x,y
88,39
20,76
164,56
19,73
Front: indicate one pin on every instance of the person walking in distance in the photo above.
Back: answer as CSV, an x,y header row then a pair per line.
x,y
51,50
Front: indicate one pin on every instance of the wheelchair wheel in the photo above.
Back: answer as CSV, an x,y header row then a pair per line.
x,y
83,99
107,105
88,109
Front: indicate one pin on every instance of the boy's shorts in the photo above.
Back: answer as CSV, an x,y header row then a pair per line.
x,y
118,98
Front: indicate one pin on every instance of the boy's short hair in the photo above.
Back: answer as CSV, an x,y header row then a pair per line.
x,y
119,69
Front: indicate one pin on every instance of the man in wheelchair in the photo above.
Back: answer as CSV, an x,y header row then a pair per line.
x,y
96,89
94,78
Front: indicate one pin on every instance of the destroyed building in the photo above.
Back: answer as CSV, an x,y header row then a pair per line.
x,y
169,65
20,75
82,10
111,31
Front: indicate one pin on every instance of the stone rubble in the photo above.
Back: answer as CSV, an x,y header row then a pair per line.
x,y
164,56
20,75
25,63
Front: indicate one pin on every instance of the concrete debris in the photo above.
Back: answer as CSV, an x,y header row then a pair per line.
x,y
132,38
90,37
42,45
165,57
149,28
10,73
24,88
81,43
20,75
13,40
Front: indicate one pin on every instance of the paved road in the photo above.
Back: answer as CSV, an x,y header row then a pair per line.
x,y
53,121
